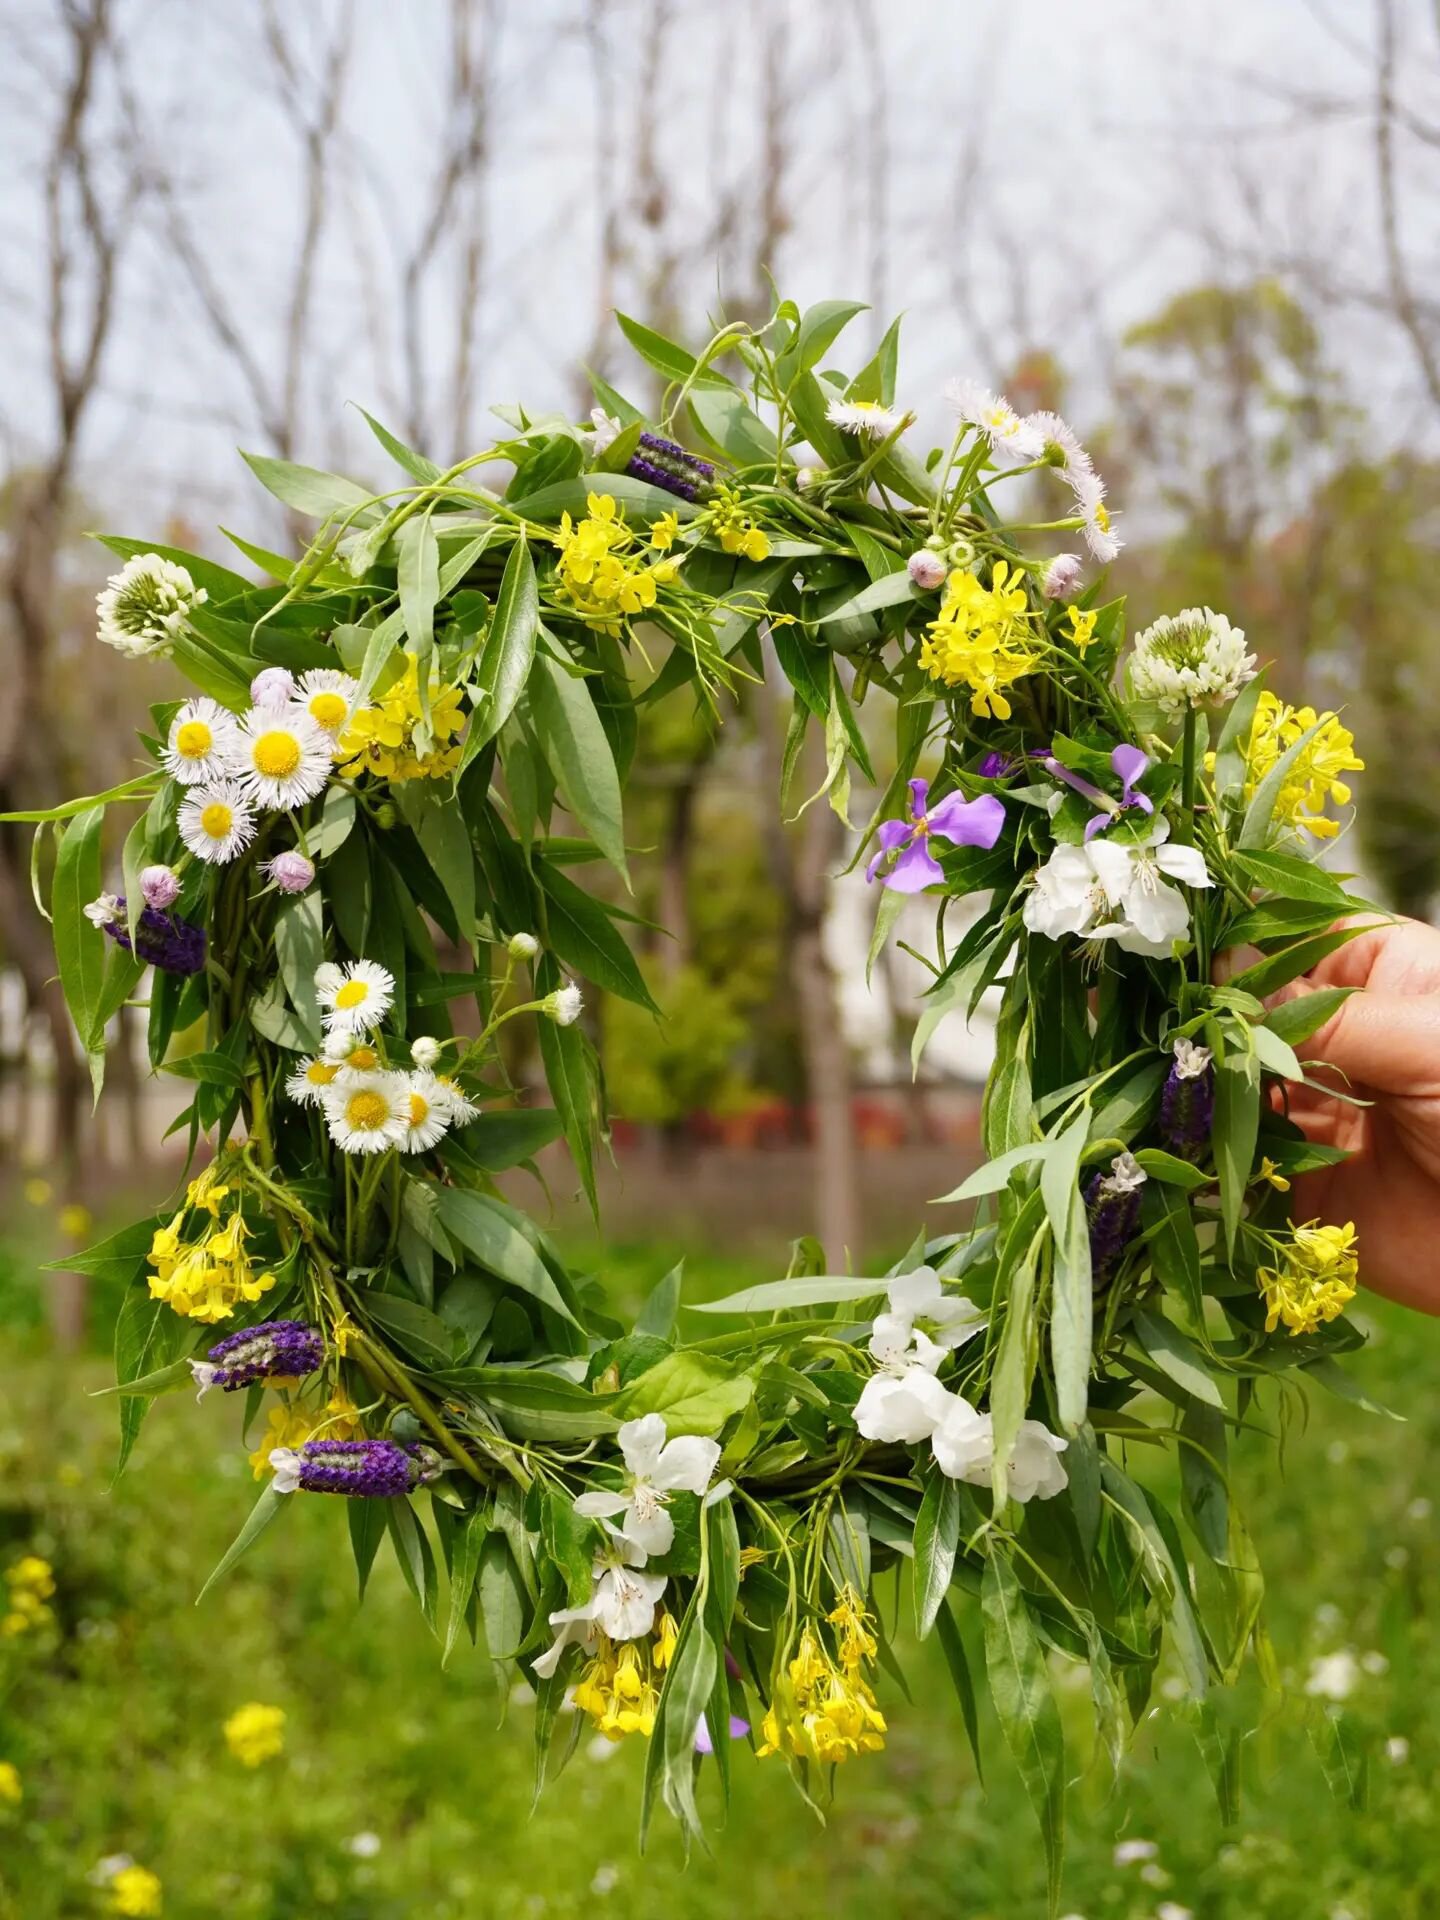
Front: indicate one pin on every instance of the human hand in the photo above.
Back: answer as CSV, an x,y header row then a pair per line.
x,y
1385,1040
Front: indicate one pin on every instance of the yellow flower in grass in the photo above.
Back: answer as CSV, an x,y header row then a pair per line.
x,y
1313,1280
29,1584
136,1893
824,1710
1315,776
980,640
11,1791
255,1733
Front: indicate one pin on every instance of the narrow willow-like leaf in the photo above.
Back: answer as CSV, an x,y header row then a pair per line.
x,y
937,1536
1025,1706
263,1514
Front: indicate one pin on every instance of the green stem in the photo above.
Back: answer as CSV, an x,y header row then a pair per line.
x,y
1185,833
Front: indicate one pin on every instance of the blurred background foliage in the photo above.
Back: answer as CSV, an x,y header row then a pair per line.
x,y
219,226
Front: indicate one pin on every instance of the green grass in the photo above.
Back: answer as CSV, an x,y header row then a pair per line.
x,y
117,1729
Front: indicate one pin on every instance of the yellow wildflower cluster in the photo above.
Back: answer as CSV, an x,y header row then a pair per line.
x,y
292,1426
29,1585
620,1687
136,1893
979,638
11,1791
1315,776
205,1278
824,1708
255,1733
1314,1280
598,574
396,739
1082,628
736,531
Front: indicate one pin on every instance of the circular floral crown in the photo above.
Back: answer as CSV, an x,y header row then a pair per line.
x,y
693,1533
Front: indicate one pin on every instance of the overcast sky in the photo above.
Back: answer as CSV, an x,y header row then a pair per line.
x,y
1053,171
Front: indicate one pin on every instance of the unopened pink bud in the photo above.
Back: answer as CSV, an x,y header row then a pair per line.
x,y
292,872
926,569
160,887
1062,576
273,687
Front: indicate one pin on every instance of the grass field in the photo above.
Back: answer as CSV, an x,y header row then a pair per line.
x,y
400,1791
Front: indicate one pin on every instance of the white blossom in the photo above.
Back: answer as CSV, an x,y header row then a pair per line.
x,y
1099,530
1117,890
563,1005
103,911
622,1604
1190,659
1191,1061
964,1447
918,1303
655,1468
993,416
425,1050
902,1407
143,607
607,430
1333,1676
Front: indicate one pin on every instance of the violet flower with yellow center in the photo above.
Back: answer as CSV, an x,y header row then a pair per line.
x,y
905,843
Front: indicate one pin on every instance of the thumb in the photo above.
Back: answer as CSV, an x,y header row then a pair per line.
x,y
1388,1041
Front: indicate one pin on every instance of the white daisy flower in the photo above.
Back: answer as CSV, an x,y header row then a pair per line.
x,y
462,1108
350,1054
200,742
327,975
216,821
311,1081
1190,659
358,999
104,911
327,695
563,1005
864,416
1099,530
283,759
992,415
144,605
427,1112
369,1115
1061,445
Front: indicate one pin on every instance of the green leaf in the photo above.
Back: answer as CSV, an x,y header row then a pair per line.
x,y
309,491
1165,1578
1341,1745
79,947
695,1392
569,1544
412,1551
366,1520
413,1328
670,1759
1292,877
502,1598
937,1538
1300,1019
726,418
482,1226
1176,1355
666,356
508,654
415,464
265,1511
820,327
1274,1054
578,751
148,1337
445,841
535,1405
1025,1706
953,1647
418,578
1236,1128
587,940
804,1290
893,591
496,1141
572,1079
1072,1309
1171,1171
662,1304
1332,1376
1279,969
1175,1250
299,950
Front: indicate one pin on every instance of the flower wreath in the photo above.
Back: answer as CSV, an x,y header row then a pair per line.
x,y
690,1536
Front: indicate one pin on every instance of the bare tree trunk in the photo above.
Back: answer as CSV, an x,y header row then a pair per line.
x,y
822,1038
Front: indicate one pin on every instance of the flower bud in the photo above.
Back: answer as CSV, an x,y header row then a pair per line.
x,y
522,946
385,816
927,570
962,553
291,871
1062,576
563,1005
425,1050
273,687
160,886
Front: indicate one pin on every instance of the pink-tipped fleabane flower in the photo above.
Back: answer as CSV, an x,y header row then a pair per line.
x,y
964,823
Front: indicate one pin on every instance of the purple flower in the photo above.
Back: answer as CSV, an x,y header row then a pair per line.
x,y
1112,1201
996,766
666,464
964,823
160,886
362,1469
1062,576
704,1744
273,687
291,871
161,940
1187,1101
277,1349
1130,764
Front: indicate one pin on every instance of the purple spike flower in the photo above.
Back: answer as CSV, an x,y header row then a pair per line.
x,y
363,1469
160,940
666,464
1187,1101
277,1349
1112,1201
964,823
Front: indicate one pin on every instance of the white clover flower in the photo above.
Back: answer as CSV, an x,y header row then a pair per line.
x,y
1191,1061
563,1006
1130,1853
865,417
1334,1676
143,607
272,687
200,742
282,759
991,415
327,696
425,1051
103,911
358,999
607,430
1099,530
927,569
370,1113
1062,576
522,946
310,1081
216,821
1190,659
654,1469
427,1112
1060,445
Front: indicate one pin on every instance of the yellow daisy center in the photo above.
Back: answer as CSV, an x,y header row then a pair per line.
x,y
328,710
276,754
354,993
194,740
419,1109
366,1111
361,1059
217,819
320,1073
1102,517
